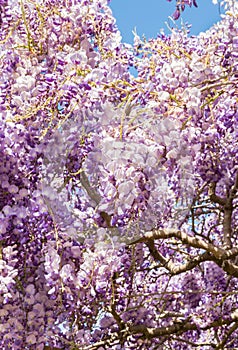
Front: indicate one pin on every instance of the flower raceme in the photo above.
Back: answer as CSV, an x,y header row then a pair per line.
x,y
180,7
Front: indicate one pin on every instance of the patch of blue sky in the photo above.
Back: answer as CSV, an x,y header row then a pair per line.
x,y
149,17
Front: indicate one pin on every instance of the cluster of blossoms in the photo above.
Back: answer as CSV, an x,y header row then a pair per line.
x,y
118,194
180,6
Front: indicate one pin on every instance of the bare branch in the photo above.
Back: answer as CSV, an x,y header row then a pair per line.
x,y
92,193
230,268
217,252
173,268
234,189
177,328
226,338
212,195
227,229
228,210
227,204
212,253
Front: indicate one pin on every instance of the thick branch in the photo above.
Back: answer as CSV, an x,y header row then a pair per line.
x,y
230,268
217,252
219,255
227,229
213,196
177,328
227,204
92,193
228,210
150,333
226,338
234,189
173,268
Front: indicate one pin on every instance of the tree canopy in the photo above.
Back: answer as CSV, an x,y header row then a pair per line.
x,y
118,194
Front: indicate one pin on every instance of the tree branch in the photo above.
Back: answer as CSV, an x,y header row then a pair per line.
x,y
230,268
228,210
219,255
227,204
177,328
226,338
92,193
212,195
173,268
217,252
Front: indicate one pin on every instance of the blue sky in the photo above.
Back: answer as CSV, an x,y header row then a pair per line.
x,y
149,16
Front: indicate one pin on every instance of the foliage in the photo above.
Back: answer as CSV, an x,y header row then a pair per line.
x,y
118,194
